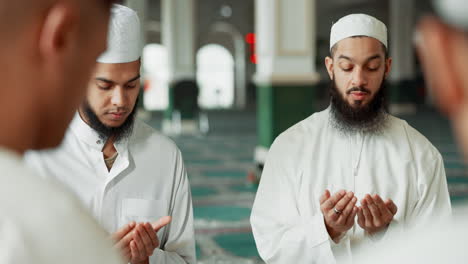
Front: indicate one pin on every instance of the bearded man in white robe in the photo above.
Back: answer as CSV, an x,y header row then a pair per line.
x,y
352,175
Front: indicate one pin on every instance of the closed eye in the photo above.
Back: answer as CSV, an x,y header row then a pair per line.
x,y
105,88
373,66
372,69
103,83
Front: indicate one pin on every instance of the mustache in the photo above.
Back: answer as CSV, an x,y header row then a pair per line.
x,y
118,110
358,89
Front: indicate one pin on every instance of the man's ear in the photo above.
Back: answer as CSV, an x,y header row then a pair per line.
x,y
329,65
388,66
436,45
58,30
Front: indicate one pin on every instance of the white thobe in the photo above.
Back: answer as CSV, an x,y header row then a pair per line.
x,y
41,223
312,156
146,182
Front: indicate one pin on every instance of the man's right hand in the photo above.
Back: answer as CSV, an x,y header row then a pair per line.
x,y
339,212
136,242
145,240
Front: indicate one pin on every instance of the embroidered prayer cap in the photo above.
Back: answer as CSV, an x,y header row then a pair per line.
x,y
358,25
123,39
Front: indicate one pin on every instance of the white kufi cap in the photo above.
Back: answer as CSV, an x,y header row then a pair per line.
x,y
123,39
358,25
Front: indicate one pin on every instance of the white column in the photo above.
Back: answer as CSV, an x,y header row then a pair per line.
x,y
141,7
178,27
401,39
286,41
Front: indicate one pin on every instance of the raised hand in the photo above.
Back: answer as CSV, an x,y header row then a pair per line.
x,y
145,240
339,212
122,239
374,214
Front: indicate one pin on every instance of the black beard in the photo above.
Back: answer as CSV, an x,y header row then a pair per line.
x,y
105,132
370,118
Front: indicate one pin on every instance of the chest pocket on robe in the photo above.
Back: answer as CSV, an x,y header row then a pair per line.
x,y
142,210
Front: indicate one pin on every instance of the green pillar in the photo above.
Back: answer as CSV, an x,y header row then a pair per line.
x,y
286,74
281,106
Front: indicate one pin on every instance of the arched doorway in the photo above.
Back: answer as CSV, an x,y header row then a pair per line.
x,y
156,69
239,52
215,77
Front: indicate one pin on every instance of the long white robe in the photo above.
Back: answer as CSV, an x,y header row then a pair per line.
x,y
41,223
147,181
312,156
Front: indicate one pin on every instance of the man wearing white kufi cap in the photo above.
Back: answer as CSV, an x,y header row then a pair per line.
x,y
352,175
130,177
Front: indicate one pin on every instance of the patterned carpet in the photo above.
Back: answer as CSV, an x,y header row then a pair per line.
x,y
219,164
218,167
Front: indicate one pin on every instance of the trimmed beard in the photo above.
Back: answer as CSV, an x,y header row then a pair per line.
x,y
370,118
105,132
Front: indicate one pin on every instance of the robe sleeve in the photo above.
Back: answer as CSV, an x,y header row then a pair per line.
x,y
178,244
433,197
282,234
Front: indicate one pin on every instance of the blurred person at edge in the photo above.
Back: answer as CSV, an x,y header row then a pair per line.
x,y
352,175
442,46
47,53
129,176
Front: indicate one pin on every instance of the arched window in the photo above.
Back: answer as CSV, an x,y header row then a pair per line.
x,y
156,68
215,77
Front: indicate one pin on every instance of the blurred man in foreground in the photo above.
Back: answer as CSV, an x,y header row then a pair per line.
x,y
48,50
442,45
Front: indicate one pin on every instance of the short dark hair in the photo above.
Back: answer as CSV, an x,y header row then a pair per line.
x,y
333,49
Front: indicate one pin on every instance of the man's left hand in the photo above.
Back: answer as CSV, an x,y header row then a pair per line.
x,y
374,215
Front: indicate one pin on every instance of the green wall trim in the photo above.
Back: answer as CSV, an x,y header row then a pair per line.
x,y
187,105
406,91
281,106
265,122
170,105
